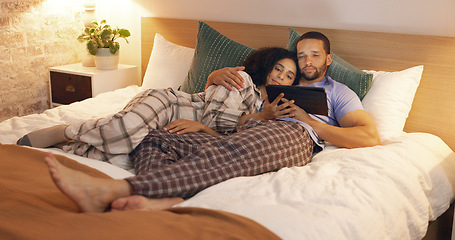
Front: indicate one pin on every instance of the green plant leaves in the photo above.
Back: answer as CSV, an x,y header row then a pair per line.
x,y
103,36
124,33
114,47
92,47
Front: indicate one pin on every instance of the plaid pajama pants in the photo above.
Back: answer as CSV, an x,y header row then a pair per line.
x,y
170,165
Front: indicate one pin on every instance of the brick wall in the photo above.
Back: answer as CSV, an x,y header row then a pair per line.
x,y
35,35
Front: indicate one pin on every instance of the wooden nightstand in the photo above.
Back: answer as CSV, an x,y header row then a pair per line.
x,y
73,82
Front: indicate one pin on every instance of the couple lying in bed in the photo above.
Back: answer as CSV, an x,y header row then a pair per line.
x,y
175,145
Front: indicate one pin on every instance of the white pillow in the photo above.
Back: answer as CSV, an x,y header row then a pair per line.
x,y
168,64
390,98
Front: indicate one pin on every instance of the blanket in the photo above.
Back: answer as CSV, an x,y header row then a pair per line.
x,y
32,207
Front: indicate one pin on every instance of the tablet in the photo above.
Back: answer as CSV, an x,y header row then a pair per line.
x,y
311,99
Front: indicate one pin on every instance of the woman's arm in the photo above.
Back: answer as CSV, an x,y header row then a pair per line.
x,y
181,126
223,108
271,111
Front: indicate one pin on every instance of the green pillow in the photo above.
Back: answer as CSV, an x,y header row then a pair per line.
x,y
213,51
340,70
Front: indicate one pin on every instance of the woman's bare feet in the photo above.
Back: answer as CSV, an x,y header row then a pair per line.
x,y
91,194
137,202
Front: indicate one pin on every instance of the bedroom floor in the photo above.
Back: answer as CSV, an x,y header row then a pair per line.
x,y
442,228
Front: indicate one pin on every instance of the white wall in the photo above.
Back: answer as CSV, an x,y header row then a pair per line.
x,y
433,17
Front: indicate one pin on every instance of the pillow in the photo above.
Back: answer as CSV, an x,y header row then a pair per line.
x,y
390,98
168,64
340,70
213,51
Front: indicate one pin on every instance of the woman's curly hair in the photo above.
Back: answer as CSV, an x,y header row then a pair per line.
x,y
261,62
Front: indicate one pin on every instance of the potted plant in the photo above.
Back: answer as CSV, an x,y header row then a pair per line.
x,y
102,44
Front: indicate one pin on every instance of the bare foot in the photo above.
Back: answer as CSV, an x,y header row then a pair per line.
x,y
91,194
137,202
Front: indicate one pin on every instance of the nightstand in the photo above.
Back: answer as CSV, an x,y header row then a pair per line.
x,y
73,82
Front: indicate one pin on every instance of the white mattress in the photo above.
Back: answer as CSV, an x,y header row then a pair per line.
x,y
384,192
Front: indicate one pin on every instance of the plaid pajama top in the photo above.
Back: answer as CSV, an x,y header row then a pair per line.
x,y
217,108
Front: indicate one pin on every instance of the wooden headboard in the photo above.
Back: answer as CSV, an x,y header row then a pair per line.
x,y
433,110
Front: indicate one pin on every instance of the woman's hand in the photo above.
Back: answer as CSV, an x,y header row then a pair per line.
x,y
273,110
181,126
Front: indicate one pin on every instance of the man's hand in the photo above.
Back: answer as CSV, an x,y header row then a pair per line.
x,y
227,77
298,112
181,126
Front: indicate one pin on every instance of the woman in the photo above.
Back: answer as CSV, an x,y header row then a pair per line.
x,y
217,109
267,66
170,166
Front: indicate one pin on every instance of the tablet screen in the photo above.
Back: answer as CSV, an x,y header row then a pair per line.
x,y
311,99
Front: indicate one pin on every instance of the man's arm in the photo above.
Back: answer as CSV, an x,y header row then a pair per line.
x,y
357,129
227,77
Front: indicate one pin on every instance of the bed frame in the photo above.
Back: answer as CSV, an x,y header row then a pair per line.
x,y
433,109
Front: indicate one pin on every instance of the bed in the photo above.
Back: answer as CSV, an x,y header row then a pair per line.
x,y
401,189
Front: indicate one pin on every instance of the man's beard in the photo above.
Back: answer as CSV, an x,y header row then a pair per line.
x,y
316,74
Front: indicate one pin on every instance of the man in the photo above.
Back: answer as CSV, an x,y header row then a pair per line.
x,y
348,124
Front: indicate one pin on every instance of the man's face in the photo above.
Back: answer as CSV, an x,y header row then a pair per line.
x,y
313,60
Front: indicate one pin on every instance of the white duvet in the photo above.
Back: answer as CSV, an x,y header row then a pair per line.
x,y
384,192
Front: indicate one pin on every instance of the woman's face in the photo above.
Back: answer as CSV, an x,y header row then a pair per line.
x,y
283,73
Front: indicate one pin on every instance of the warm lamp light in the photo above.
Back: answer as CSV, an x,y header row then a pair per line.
x,y
89,17
89,14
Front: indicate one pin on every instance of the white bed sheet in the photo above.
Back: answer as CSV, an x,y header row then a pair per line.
x,y
104,104
384,192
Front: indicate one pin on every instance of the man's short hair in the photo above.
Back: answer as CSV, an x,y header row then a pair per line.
x,y
318,36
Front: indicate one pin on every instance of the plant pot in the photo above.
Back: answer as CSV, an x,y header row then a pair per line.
x,y
105,60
